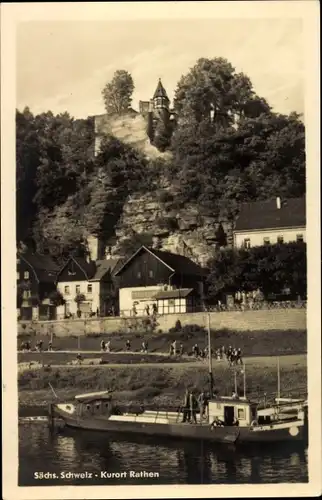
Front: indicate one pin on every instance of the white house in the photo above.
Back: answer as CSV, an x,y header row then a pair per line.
x,y
86,286
269,222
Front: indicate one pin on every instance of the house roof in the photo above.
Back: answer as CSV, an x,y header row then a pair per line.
x,y
176,263
160,91
266,215
173,294
44,267
93,270
102,267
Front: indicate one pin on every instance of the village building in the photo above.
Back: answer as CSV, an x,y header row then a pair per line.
x,y
153,280
269,222
36,284
87,287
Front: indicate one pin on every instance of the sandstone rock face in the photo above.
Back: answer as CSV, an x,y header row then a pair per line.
x,y
184,230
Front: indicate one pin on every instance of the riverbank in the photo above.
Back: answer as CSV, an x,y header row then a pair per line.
x,y
252,343
162,385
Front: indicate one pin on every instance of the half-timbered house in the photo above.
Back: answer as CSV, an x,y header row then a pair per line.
x,y
152,278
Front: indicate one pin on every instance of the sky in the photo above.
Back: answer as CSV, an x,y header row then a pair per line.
x,y
63,65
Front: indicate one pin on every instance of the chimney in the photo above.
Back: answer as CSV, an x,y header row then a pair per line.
x,y
278,203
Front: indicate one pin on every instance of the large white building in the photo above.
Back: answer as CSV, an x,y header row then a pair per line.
x,y
269,222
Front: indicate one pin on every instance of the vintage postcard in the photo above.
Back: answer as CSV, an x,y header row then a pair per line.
x,y
161,258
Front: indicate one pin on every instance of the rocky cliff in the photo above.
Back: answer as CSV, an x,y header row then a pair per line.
x,y
154,214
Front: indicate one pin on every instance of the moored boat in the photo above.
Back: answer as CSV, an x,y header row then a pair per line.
x,y
231,420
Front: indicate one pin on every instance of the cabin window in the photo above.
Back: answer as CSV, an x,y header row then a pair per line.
x,y
299,238
280,239
26,275
241,414
88,407
77,288
18,275
139,274
89,288
151,274
266,240
66,290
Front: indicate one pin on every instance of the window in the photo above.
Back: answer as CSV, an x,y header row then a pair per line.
x,y
247,243
241,414
150,274
66,290
299,238
139,275
89,288
266,240
280,239
26,275
18,275
26,294
18,262
77,288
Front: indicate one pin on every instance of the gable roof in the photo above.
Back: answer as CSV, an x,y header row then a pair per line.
x,y
88,268
266,215
43,266
102,267
176,263
160,91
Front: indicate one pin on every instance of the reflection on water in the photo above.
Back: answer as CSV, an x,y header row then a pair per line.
x,y
177,462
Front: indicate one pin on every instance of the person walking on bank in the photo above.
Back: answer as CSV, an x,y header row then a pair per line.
x,y
174,347
181,350
108,346
128,345
50,346
102,345
171,350
147,309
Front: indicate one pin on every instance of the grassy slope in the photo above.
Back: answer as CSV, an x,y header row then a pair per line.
x,y
156,385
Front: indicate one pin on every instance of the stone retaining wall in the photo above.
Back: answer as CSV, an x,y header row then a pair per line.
x,y
286,319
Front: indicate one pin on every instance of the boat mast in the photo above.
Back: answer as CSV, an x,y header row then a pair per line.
x,y
211,380
244,380
278,380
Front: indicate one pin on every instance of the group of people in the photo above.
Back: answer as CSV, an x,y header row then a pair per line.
x,y
192,404
149,311
26,346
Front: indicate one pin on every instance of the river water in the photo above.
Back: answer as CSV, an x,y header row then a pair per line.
x,y
168,462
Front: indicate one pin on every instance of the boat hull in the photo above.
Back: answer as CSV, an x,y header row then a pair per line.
x,y
226,434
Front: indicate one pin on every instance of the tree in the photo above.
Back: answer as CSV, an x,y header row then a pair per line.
x,y
56,298
117,94
213,87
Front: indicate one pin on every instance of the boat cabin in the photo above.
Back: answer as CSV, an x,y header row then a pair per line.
x,y
232,411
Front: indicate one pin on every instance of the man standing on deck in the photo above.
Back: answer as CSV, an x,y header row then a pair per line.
x,y
186,407
193,407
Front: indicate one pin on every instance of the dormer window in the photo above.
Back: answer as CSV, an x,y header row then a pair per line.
x,y
71,270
